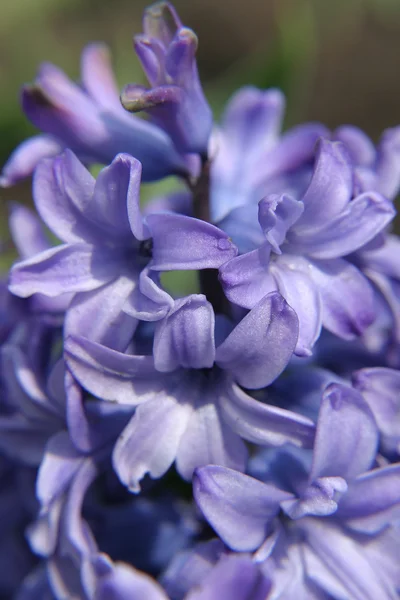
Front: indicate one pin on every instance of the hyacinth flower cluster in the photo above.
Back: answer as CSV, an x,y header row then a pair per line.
x,y
241,442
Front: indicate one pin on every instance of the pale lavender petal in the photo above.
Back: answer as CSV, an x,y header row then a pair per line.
x,y
27,156
234,576
276,215
239,508
340,565
261,423
255,351
358,144
181,242
63,192
115,204
346,438
293,280
60,464
66,268
104,372
185,337
26,231
246,279
122,582
373,500
363,219
150,441
98,315
347,297
148,301
98,78
380,387
388,163
208,440
331,186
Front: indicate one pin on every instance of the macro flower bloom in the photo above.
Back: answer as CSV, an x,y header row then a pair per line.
x,y
190,408
266,395
90,121
305,245
325,519
107,242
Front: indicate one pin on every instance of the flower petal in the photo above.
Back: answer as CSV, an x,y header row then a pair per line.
x,y
181,243
239,508
347,297
150,441
346,438
373,500
364,217
98,78
27,156
291,274
261,423
66,268
185,337
246,279
208,440
331,185
106,373
261,345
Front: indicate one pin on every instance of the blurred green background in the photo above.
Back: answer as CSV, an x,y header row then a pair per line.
x,y
337,61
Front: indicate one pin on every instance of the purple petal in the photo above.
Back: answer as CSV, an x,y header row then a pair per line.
x,y
209,440
340,565
292,278
150,441
66,268
261,423
331,186
346,438
26,231
63,190
185,337
60,464
276,215
347,297
246,279
380,388
123,582
373,500
255,352
358,144
98,315
181,243
26,157
115,204
239,508
106,373
363,219
148,301
98,78
235,577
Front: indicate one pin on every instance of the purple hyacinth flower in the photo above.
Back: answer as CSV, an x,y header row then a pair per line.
x,y
251,158
339,510
306,245
90,120
190,408
110,251
175,99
